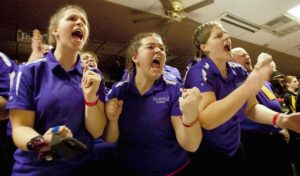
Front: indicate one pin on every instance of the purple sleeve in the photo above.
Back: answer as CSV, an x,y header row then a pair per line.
x,y
4,80
21,96
101,91
200,78
8,70
113,92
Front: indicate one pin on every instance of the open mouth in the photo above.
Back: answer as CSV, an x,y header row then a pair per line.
x,y
227,47
91,64
155,63
77,34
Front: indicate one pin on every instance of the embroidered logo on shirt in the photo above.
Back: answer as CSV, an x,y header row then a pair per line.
x,y
161,100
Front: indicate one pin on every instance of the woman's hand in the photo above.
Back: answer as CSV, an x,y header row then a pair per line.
x,y
113,109
62,131
90,84
289,121
189,104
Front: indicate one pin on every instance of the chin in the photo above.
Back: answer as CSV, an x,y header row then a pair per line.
x,y
156,76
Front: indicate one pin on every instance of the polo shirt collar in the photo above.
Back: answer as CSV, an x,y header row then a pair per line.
x,y
158,85
53,63
217,71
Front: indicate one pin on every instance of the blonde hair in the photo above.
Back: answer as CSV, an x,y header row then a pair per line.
x,y
235,52
201,36
54,20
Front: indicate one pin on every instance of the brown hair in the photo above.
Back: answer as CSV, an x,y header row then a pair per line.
x,y
90,53
57,16
201,36
133,46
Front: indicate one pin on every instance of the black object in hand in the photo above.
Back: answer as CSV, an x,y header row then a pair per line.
x,y
66,147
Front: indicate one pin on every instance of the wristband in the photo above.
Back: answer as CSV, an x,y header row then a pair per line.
x,y
36,143
275,117
191,124
91,103
39,145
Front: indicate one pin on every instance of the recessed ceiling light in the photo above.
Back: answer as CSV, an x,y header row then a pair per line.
x,y
295,12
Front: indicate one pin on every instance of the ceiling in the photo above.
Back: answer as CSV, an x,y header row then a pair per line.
x,y
251,23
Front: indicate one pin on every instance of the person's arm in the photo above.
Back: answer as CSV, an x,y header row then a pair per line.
x,y
95,120
22,127
22,122
258,112
214,113
113,111
36,46
187,128
3,111
112,132
261,114
189,135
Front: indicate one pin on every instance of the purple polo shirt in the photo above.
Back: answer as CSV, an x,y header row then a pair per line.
x,y
8,70
56,97
270,102
206,77
147,143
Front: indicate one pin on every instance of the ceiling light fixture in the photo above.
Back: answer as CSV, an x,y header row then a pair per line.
x,y
295,12
177,6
